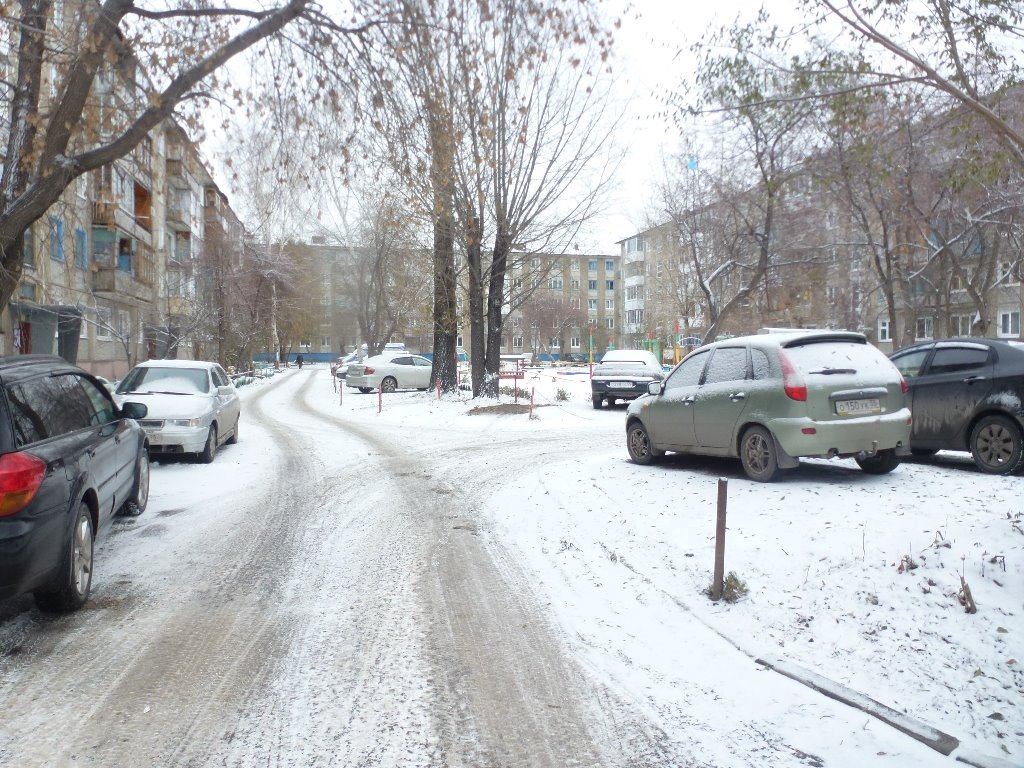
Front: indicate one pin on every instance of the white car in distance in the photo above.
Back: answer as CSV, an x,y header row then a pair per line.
x,y
390,372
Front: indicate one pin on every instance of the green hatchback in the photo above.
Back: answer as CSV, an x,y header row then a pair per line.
x,y
773,398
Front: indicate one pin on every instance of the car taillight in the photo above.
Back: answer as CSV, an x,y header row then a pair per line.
x,y
21,474
792,381
368,369
903,384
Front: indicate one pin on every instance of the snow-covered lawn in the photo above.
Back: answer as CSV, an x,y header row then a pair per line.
x,y
853,576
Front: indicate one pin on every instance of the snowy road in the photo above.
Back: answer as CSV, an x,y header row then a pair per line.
x,y
425,588
317,596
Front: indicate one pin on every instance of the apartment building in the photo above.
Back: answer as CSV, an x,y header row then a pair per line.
x,y
562,303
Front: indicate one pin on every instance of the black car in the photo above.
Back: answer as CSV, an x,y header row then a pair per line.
x,y
623,374
967,395
69,460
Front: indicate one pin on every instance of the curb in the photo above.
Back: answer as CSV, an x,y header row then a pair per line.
x,y
931,737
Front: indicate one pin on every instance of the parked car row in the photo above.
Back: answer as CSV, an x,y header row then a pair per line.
x,y
73,454
771,399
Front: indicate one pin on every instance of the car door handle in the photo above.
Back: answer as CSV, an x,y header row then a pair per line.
x,y
972,379
738,396
687,401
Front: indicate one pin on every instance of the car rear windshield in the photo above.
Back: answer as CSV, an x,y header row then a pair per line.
x,y
827,358
153,379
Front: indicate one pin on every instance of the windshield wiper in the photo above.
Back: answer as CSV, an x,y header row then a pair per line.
x,y
831,371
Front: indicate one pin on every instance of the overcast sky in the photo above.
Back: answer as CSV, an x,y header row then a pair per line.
x,y
653,51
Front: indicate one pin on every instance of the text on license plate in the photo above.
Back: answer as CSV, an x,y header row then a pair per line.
x,y
620,384
868,406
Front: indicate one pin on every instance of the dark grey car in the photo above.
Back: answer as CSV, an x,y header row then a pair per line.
x,y
967,394
69,460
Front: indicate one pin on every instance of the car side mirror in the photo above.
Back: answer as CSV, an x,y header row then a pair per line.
x,y
654,388
225,391
134,410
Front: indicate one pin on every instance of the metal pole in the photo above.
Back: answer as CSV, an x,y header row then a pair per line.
x,y
717,583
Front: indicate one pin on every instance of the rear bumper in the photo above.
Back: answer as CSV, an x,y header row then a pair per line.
x,y
849,437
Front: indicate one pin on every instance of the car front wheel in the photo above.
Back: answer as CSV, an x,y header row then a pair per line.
x,y
882,463
136,503
71,589
365,390
757,453
210,449
598,401
996,445
389,384
639,445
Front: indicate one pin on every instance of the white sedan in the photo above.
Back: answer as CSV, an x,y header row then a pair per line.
x,y
390,372
192,405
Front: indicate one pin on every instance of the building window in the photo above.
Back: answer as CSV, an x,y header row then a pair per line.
x,y
832,292
592,265
1009,323
575,284
632,293
1010,273
609,285
555,283
123,324
883,331
574,266
609,303
609,265
924,328
592,305
574,342
592,285
28,249
27,292
56,239
591,321
960,325
517,342
103,327
956,283
609,323
556,343
515,322
81,248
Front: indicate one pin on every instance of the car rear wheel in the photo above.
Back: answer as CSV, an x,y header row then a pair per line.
x,y
639,445
598,401
882,463
388,384
136,503
996,445
210,449
365,390
74,581
757,453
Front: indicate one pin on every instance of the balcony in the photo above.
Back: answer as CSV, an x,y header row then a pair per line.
x,y
179,306
178,217
111,281
177,174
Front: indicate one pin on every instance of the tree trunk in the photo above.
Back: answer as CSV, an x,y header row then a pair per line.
x,y
495,301
476,304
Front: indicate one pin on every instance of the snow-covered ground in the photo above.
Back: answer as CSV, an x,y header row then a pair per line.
x,y
854,577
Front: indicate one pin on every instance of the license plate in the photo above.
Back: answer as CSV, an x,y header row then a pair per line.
x,y
867,406
620,384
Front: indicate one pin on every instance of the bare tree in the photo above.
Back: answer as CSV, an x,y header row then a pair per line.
x,y
98,103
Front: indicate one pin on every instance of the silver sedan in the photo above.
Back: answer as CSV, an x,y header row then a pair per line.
x,y
389,373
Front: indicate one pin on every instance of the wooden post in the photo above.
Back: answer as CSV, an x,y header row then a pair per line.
x,y
717,583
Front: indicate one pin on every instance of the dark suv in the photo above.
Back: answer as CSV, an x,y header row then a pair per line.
x,y
69,460
967,394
